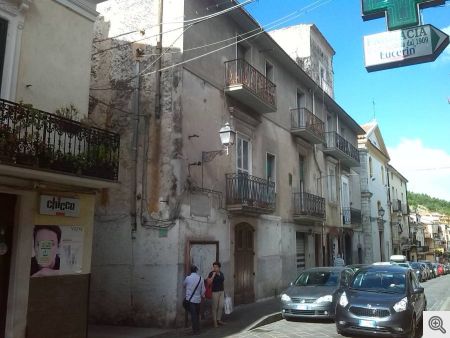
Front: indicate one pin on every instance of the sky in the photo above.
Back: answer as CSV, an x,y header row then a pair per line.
x,y
412,104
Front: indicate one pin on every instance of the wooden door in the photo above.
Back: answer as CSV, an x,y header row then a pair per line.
x,y
244,292
7,209
300,251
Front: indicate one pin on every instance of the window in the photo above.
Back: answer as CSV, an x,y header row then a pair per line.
x,y
244,155
269,70
332,182
270,168
3,35
382,174
370,167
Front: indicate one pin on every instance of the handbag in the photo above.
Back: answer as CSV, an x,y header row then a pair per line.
x,y
185,301
208,290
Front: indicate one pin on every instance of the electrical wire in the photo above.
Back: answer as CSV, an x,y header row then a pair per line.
x,y
241,37
198,20
229,45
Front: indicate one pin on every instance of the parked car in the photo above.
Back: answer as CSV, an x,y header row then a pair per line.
x,y
430,266
437,269
427,270
385,301
447,268
419,269
314,292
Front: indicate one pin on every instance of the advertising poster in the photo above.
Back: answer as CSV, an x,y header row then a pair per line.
x,y
57,250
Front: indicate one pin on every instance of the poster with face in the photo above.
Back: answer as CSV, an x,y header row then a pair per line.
x,y
57,250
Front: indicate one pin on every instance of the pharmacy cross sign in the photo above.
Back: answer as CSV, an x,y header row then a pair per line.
x,y
400,13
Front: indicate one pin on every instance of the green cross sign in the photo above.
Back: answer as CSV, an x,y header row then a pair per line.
x,y
400,13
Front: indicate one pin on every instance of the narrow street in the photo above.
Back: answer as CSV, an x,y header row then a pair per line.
x,y
437,292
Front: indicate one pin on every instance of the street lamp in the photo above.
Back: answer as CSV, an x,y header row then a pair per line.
x,y
381,212
227,137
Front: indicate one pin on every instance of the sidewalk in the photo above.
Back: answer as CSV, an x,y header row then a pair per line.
x,y
244,317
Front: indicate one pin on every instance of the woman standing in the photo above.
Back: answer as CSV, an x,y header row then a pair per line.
x,y
216,278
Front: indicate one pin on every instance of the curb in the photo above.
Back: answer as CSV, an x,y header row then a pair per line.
x,y
269,319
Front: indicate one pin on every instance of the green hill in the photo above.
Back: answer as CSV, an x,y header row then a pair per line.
x,y
431,203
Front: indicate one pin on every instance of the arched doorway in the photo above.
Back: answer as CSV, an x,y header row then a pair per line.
x,y
244,292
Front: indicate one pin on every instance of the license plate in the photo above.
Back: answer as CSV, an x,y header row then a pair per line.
x,y
367,323
303,307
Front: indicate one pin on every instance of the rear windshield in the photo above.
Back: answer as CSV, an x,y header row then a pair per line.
x,y
383,281
318,278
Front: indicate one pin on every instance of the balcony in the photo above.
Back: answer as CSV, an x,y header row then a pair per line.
x,y
308,207
249,194
44,142
396,205
340,148
307,126
247,85
351,216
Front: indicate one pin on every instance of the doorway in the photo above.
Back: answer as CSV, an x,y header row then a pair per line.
x,y
318,249
348,248
244,272
7,211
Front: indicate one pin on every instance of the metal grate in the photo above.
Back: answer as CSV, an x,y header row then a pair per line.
x,y
366,312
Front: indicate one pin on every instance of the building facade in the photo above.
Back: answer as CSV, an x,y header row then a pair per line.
x,y
374,194
399,210
277,201
52,167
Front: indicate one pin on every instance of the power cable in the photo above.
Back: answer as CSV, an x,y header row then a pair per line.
x,y
261,29
198,20
229,45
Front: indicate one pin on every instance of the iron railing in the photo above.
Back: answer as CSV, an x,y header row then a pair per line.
x,y
306,204
334,140
250,191
397,205
36,139
351,216
302,118
240,72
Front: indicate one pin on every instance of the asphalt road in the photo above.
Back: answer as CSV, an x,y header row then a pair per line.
x,y
437,292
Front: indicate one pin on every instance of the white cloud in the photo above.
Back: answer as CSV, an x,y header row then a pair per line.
x,y
411,157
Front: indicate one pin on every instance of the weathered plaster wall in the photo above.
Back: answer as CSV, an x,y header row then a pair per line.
x,y
54,58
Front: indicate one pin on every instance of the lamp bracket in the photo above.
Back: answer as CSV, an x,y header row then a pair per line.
x,y
208,156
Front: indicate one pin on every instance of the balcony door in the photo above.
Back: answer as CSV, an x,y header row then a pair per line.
x,y
345,200
3,35
244,155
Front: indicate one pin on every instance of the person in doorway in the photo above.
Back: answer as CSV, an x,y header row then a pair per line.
x,y
339,261
45,261
216,278
195,292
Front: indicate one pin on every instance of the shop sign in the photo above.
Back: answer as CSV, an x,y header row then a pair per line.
x,y
59,206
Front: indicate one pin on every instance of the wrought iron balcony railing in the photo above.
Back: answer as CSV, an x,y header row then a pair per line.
x,y
306,204
351,216
334,140
39,140
396,205
246,191
240,72
302,118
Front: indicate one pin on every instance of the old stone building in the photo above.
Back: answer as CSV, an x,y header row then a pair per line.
x,y
282,197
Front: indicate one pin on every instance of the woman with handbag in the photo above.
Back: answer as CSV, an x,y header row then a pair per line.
x,y
216,280
195,291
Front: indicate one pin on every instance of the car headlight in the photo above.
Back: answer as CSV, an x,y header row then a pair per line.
x,y
285,298
324,299
401,305
343,301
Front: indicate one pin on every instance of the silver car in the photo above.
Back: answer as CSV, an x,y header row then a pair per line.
x,y
314,293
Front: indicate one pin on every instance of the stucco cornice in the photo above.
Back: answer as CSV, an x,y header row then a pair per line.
x,y
82,7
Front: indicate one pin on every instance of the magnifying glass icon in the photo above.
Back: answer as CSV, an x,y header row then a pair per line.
x,y
435,323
